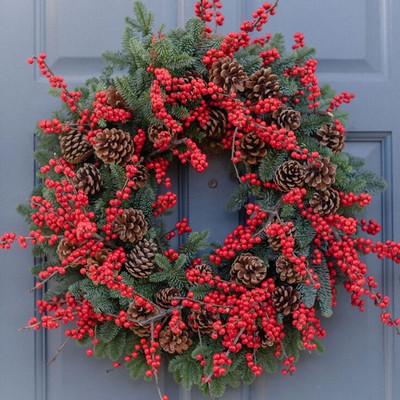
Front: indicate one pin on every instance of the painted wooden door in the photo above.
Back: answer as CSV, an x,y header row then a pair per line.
x,y
359,51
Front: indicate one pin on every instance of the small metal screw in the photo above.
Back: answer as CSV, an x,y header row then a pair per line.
x,y
213,183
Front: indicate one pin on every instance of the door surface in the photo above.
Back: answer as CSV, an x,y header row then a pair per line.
x,y
359,51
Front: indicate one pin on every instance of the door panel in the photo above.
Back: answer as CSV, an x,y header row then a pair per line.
x,y
357,49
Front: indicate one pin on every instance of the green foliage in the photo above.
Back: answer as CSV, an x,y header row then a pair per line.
x,y
270,163
304,231
186,370
278,42
115,348
352,177
137,367
325,291
172,273
63,283
108,331
249,59
308,294
144,21
292,342
311,123
99,296
238,198
267,359
196,242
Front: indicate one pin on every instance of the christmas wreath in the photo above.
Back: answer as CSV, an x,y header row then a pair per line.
x,y
221,314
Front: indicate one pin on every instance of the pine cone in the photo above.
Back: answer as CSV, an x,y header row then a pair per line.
x,y
141,313
252,149
203,320
248,270
172,342
228,74
100,258
320,174
164,297
130,226
287,271
216,125
203,268
141,177
325,202
154,131
74,146
113,146
64,249
330,137
114,98
286,117
262,85
88,178
275,241
289,175
286,299
140,261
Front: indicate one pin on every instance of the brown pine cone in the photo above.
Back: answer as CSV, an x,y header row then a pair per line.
x,y
141,177
267,342
88,178
140,261
320,174
275,241
64,249
330,137
141,313
203,320
286,299
286,117
74,146
289,175
130,226
287,271
248,270
154,131
252,149
100,258
113,146
228,74
203,268
262,85
164,297
172,342
114,98
216,124
325,202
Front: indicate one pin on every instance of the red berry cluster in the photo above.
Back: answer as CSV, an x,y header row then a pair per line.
x,y
299,40
101,110
243,237
163,203
308,79
337,100
260,18
206,10
270,56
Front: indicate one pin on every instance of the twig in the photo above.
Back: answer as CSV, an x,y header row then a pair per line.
x,y
233,154
271,216
173,143
59,350
150,320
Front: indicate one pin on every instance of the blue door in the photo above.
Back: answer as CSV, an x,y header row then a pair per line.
x,y
359,51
